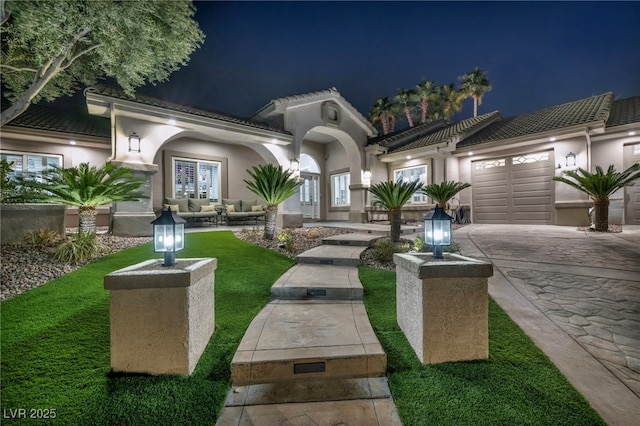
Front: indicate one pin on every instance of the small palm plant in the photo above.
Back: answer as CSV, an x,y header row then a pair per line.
x,y
441,193
392,196
274,185
599,186
86,187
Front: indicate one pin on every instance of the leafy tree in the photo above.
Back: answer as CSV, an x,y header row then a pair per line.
x,y
475,84
441,193
86,187
392,196
425,91
405,99
52,47
274,185
599,186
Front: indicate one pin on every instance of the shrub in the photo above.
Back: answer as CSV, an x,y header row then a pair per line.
x,y
313,234
42,237
80,247
286,241
383,250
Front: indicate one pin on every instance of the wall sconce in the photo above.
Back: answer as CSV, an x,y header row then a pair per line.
x,y
367,175
571,159
168,235
294,165
134,142
437,230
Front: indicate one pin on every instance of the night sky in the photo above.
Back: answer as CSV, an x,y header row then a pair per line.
x,y
537,54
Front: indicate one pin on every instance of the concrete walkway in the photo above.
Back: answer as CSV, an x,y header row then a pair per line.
x,y
577,295
310,356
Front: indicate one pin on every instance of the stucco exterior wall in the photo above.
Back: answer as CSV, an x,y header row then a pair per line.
x,y
72,155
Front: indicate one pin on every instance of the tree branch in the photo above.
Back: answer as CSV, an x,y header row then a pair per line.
x,y
68,63
10,68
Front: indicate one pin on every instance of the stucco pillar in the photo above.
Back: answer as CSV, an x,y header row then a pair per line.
x,y
162,318
357,211
133,218
442,306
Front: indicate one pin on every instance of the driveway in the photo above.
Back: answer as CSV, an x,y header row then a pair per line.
x,y
577,295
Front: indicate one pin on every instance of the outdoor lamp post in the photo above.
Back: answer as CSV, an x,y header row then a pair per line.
x,y
168,235
437,230
134,142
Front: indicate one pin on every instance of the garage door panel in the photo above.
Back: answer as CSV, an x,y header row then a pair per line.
x,y
632,193
519,191
543,201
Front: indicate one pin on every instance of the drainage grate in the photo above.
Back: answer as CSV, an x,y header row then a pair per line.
x,y
309,367
316,292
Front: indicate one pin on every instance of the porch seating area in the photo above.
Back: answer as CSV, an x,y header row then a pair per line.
x,y
238,210
193,210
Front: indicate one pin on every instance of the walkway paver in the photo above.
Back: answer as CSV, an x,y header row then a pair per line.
x,y
310,356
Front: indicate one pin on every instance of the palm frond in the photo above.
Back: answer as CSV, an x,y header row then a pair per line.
x,y
394,195
443,192
271,183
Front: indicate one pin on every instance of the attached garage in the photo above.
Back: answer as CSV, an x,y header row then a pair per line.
x,y
632,196
513,189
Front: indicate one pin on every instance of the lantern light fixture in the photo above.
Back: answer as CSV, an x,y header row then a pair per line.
x,y
134,142
168,235
294,165
571,159
437,230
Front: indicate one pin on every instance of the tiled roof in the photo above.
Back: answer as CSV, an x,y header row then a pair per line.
x,y
442,133
404,135
584,111
48,117
147,100
624,111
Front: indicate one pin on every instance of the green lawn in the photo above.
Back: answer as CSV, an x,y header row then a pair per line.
x,y
518,385
55,354
55,342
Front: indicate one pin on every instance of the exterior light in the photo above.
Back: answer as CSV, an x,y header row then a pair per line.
x,y
437,230
367,174
571,159
632,133
552,138
73,142
168,235
294,165
134,142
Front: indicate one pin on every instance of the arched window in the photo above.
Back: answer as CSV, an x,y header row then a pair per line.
x,y
308,164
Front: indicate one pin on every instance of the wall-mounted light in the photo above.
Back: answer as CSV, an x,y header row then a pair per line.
x,y
571,159
134,142
294,165
367,174
168,235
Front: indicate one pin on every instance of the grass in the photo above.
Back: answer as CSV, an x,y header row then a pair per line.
x,y
517,385
55,354
55,342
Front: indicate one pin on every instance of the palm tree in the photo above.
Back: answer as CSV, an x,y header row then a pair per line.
x,y
405,99
392,196
425,91
599,186
450,100
475,84
274,185
380,113
86,187
441,193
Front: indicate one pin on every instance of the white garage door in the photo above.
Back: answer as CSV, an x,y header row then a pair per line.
x,y
513,189
632,213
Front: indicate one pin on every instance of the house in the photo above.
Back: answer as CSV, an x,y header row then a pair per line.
x,y
337,154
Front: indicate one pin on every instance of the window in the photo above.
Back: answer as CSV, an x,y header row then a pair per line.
x,y
196,179
30,166
530,158
340,194
489,164
413,174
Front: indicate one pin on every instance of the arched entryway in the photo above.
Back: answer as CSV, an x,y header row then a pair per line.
x,y
310,187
